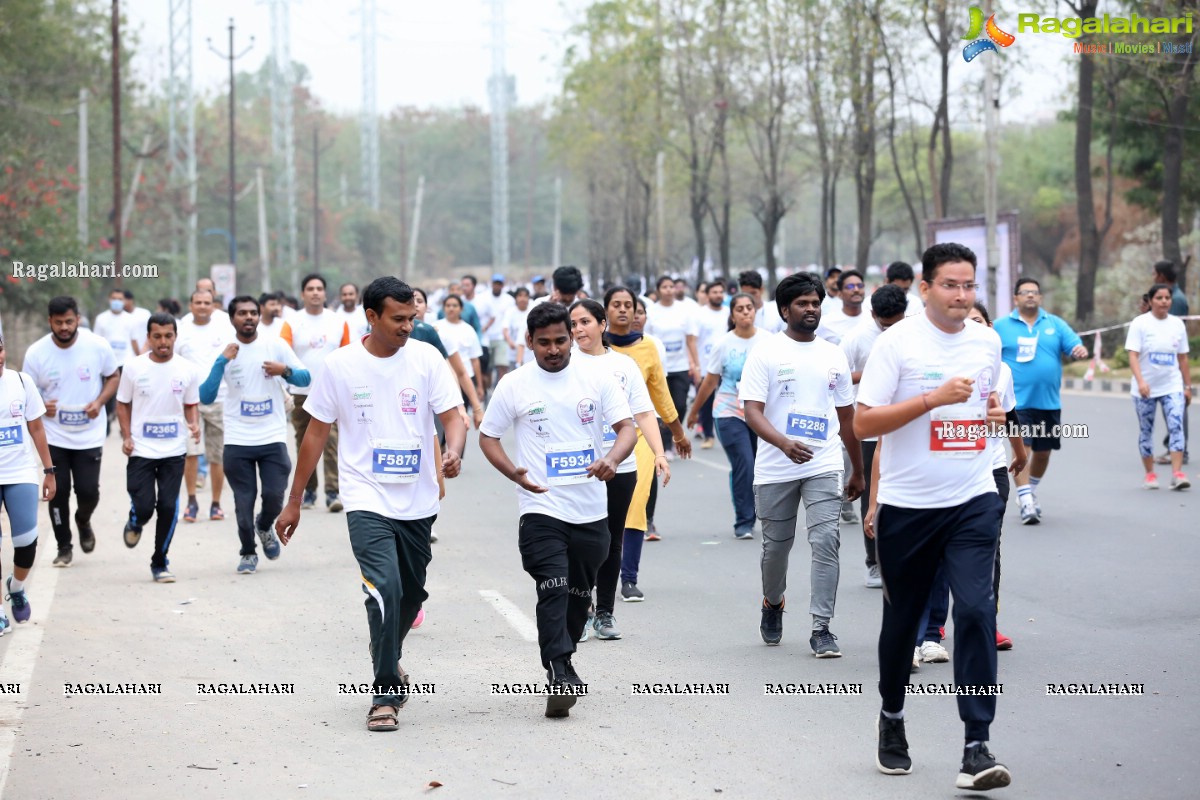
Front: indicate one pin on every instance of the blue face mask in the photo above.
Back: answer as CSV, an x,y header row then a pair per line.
x,y
116,305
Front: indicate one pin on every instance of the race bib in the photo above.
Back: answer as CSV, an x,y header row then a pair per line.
x,y
396,460
567,463
673,347
610,437
72,416
164,428
810,427
118,345
261,407
12,435
1026,348
1163,359
957,431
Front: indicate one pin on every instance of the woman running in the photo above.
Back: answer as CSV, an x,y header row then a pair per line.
x,y
724,374
588,324
1157,344
620,306
21,411
460,337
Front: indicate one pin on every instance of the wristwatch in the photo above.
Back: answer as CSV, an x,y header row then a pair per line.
x,y
287,373
49,470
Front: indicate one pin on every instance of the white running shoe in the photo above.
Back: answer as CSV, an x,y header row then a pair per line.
x,y
874,579
933,653
916,659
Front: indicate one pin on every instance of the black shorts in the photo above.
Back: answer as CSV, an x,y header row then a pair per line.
x,y
1047,418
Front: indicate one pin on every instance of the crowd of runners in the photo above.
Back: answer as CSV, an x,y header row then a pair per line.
x,y
900,399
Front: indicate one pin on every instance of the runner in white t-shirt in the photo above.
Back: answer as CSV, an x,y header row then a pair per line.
x,y
24,463
254,369
385,391
799,400
927,390
712,323
158,409
76,374
270,320
351,312
141,321
766,318
673,323
558,407
313,334
1157,344
514,330
201,340
459,337
118,328
494,307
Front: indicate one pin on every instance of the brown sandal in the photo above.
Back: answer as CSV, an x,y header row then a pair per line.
x,y
388,721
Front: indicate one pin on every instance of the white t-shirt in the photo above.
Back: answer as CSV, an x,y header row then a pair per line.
x,y
1157,343
857,344
274,330
254,403
1008,401
711,325
672,324
915,304
559,419
728,359
837,324
141,318
218,315
516,322
119,330
73,378
312,338
355,320
629,377
913,357
460,337
19,403
158,393
767,318
201,344
802,385
830,305
384,408
492,307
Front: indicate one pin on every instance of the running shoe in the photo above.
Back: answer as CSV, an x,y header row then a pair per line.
x,y
1151,481
163,575
432,536
747,534
20,603
420,618
934,653
874,579
1163,459
215,513
771,627
87,538
248,565
1180,481
980,771
587,630
63,559
4,625
132,535
1003,642
630,593
563,693
606,626
824,644
1029,515
193,511
310,499
916,665
270,542
333,503
892,755
652,534
848,514
707,444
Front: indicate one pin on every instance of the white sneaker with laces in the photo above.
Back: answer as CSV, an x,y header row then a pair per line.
x,y
874,579
916,659
933,653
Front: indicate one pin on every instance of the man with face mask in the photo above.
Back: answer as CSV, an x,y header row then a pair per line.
x,y
76,373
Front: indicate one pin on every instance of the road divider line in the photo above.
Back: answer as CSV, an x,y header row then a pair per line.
x,y
514,616
24,643
713,464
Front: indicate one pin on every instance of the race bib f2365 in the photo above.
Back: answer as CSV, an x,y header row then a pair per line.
x,y
160,429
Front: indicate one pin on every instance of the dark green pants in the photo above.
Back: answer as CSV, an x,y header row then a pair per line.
x,y
392,557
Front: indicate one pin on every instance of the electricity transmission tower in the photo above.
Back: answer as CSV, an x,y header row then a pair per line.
x,y
370,116
498,90
283,144
181,121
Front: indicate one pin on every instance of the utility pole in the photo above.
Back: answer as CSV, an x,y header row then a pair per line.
x,y
127,213
232,56
264,253
316,222
283,144
181,128
556,254
499,91
116,136
416,226
370,115
83,169
991,167
404,234
660,206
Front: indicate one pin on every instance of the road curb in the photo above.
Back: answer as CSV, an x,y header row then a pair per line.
x,y
1117,386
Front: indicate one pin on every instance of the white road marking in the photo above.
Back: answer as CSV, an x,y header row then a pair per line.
x,y
17,667
713,464
513,615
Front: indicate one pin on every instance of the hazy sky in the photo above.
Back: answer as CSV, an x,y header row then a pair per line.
x,y
438,52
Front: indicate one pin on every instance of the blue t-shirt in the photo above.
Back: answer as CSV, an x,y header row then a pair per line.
x,y
1179,303
1034,354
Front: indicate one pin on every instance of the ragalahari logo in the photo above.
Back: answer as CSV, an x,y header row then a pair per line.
x,y
995,36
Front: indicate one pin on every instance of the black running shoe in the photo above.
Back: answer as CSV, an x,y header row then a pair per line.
x,y
630,593
87,538
824,644
63,559
564,688
980,771
132,535
771,626
892,755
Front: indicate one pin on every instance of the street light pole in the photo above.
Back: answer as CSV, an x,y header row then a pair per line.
x,y
232,56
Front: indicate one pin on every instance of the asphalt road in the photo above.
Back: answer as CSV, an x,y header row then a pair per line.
x,y
1104,591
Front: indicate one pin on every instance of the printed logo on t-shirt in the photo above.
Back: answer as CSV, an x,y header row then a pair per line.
x,y
586,410
932,375
408,401
537,408
985,385
1050,331
786,373
317,342
833,376
623,378
84,373
176,386
16,409
361,397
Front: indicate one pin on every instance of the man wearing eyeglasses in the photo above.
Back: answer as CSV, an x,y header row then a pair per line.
x,y
1034,346
835,324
